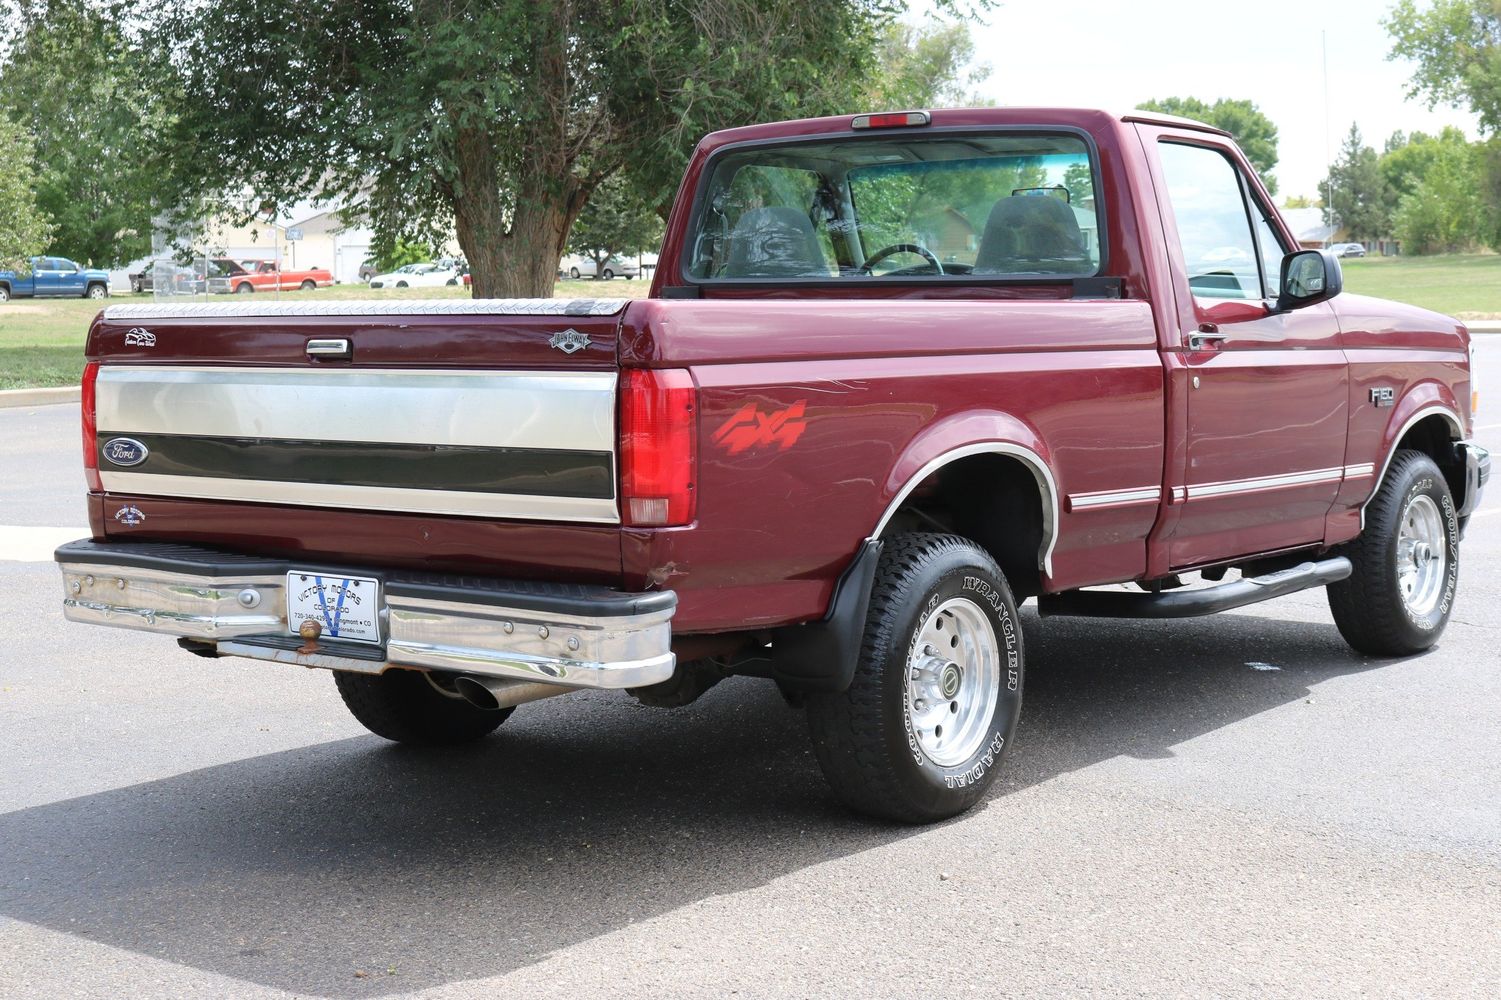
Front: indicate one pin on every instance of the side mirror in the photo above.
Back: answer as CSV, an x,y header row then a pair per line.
x,y
1309,276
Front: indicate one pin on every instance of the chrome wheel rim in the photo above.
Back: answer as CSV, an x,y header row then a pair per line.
x,y
1422,555
953,681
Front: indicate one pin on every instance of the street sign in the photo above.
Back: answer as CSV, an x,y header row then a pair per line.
x,y
293,235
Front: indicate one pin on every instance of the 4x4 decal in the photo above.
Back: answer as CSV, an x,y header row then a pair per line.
x,y
750,428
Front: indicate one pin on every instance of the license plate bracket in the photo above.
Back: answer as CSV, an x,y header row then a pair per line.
x,y
345,607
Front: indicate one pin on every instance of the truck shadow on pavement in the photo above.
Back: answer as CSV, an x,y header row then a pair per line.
x,y
584,815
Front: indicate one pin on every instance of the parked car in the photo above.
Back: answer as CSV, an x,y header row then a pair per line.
x,y
268,275
1348,250
583,267
143,280
54,277
428,275
793,463
367,269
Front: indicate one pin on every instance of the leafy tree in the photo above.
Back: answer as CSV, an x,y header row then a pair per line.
x,y
24,230
388,251
926,66
1457,47
1355,194
1252,129
616,221
1442,215
501,115
1299,201
91,97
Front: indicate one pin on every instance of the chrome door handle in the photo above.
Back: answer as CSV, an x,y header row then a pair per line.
x,y
1201,339
328,348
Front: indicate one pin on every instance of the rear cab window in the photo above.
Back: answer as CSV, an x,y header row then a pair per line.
x,y
937,207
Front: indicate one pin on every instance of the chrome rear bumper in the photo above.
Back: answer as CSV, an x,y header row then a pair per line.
x,y
232,604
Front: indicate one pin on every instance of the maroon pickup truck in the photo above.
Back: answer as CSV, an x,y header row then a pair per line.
x,y
897,373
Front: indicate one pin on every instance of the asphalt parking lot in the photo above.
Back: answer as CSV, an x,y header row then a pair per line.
x,y
1230,806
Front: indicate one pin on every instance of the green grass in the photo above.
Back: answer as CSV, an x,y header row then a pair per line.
x,y
1467,286
41,341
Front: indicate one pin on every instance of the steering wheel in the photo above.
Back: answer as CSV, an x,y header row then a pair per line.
x,y
895,248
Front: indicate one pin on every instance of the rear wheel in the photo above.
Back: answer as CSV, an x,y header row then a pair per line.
x,y
401,284
609,274
1398,599
308,285
920,733
410,706
4,294
573,273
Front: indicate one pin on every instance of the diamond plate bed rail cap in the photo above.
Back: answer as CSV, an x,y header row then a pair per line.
x,y
372,307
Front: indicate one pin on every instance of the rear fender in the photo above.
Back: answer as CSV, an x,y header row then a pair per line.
x,y
976,433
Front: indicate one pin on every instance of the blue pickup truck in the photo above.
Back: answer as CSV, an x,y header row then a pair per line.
x,y
55,277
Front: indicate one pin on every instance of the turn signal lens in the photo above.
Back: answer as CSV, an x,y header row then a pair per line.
x,y
658,447
90,428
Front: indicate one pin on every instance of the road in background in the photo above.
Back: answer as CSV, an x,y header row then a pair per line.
x,y
1237,805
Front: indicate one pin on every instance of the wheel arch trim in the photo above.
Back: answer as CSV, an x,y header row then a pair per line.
x,y
1047,486
1417,417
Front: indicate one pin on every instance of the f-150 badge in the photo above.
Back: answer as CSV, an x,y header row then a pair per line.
x,y
750,428
1383,395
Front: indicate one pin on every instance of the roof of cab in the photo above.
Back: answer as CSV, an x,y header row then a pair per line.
x,y
1085,118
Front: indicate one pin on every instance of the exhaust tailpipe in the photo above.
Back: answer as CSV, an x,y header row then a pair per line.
x,y
495,693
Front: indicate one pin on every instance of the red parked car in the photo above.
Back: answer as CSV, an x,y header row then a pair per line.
x,y
267,275
897,374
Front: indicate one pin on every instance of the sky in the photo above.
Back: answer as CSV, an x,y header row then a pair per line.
x,y
1114,55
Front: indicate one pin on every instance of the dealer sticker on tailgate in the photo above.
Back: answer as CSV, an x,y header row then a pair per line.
x,y
345,607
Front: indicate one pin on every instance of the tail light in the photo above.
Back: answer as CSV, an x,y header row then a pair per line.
x,y
658,447
90,428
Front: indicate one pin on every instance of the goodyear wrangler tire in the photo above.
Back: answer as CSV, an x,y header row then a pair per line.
x,y
920,733
1406,563
406,706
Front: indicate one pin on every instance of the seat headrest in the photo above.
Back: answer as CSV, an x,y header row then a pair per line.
x,y
1026,233
774,241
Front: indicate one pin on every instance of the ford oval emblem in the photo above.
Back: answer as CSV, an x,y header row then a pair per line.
x,y
125,451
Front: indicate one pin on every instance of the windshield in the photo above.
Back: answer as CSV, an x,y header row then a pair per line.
x,y
878,208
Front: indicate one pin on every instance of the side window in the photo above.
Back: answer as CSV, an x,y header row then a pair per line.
x,y
1214,229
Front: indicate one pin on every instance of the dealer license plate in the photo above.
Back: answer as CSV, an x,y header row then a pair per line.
x,y
345,607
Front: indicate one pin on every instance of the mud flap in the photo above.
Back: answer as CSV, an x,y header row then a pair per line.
x,y
821,655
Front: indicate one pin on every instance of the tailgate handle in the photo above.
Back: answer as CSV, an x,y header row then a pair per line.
x,y
328,348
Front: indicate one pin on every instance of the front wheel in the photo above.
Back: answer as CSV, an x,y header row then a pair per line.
x,y
4,294
411,706
1398,598
244,288
96,292
921,731
573,273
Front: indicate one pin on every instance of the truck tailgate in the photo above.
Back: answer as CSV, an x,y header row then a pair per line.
x,y
443,420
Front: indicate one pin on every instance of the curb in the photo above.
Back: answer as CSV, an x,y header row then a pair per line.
x,y
39,397
1484,326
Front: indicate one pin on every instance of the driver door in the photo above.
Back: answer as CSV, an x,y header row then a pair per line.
x,y
1267,397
